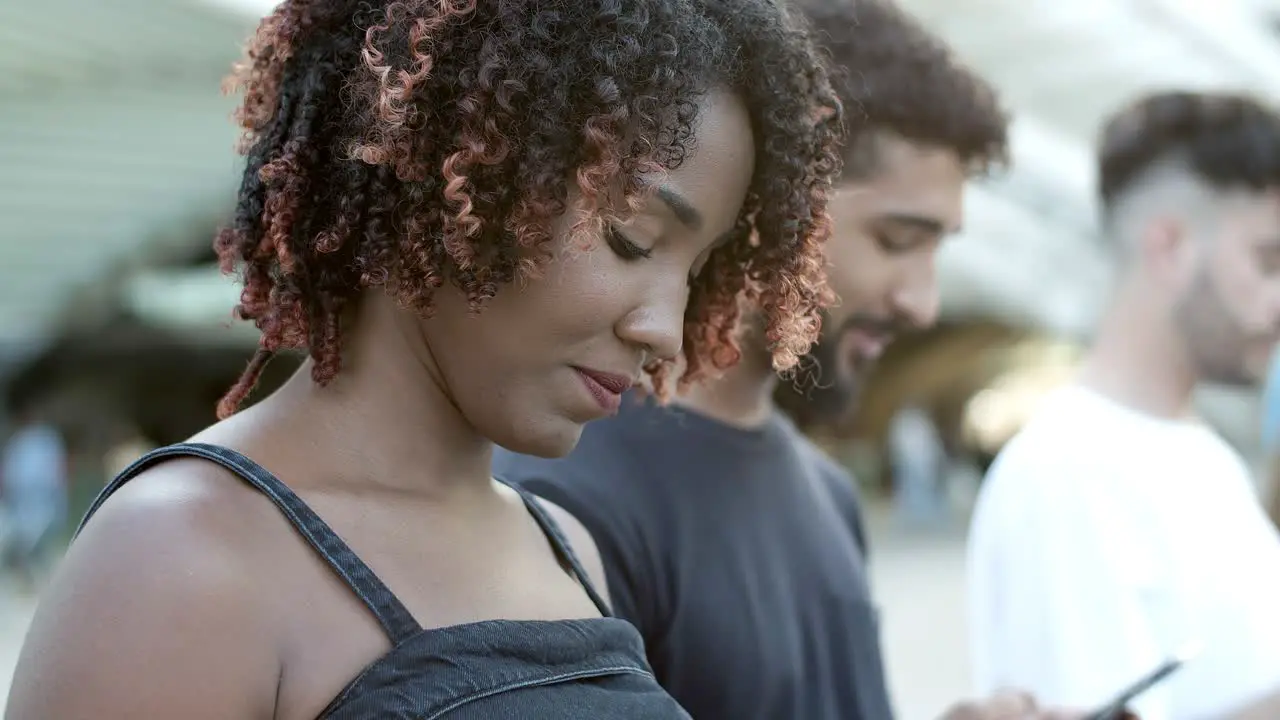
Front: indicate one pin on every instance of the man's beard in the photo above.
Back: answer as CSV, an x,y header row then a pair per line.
x,y
826,384
1215,338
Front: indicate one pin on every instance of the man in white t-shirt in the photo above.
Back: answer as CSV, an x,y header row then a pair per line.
x,y
1116,529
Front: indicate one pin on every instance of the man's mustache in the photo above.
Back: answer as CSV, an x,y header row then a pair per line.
x,y
874,326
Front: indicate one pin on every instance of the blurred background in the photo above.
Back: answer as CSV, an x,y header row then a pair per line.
x,y
117,165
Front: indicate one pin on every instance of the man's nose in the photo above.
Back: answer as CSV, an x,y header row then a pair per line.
x,y
917,300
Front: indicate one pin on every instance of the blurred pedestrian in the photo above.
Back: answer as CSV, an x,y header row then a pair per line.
x,y
918,463
33,476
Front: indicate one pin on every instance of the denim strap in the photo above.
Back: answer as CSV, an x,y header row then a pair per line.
x,y
390,612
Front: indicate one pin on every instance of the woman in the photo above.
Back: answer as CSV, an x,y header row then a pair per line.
x,y
481,219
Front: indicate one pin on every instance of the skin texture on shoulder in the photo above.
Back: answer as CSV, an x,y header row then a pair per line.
x,y
170,551
476,238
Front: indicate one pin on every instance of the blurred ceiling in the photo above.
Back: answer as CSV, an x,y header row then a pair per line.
x,y
113,135
114,138
1069,64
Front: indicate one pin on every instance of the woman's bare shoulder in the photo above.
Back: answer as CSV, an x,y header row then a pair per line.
x,y
156,610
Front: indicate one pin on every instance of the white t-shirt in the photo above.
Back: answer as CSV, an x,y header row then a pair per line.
x,y
1106,540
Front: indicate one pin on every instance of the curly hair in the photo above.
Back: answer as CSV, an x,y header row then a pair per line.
x,y
1227,141
402,145
893,75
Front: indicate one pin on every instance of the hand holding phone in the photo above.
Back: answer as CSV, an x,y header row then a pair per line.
x,y
1115,708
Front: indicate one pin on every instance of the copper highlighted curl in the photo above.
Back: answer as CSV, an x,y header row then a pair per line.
x,y
402,145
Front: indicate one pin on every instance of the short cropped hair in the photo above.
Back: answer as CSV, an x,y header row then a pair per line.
x,y
1227,141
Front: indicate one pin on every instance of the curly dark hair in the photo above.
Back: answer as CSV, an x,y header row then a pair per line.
x,y
894,76
1226,140
402,145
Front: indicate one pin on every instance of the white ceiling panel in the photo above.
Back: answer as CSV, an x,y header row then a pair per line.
x,y
1070,64
112,131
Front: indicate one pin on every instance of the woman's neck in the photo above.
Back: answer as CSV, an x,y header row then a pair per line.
x,y
387,419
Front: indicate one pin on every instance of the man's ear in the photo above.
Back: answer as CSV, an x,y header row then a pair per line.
x,y
1167,248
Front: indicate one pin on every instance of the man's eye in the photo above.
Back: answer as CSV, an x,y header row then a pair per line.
x,y
904,243
888,243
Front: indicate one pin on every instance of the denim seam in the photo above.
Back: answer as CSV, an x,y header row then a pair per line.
x,y
550,680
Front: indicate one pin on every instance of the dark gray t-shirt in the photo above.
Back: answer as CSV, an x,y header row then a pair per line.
x,y
739,554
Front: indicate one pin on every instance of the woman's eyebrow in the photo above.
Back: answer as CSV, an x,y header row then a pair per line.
x,y
680,206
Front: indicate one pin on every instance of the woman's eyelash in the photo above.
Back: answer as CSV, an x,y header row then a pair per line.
x,y
625,249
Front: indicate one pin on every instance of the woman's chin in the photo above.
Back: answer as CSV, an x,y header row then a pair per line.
x,y
549,440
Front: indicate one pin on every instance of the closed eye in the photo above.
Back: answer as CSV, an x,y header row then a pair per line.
x,y
904,244
625,248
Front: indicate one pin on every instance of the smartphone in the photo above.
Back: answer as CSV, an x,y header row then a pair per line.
x,y
1115,708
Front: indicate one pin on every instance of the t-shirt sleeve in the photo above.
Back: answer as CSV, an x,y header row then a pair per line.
x,y
603,510
1058,606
